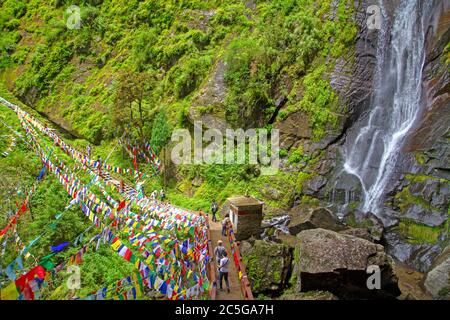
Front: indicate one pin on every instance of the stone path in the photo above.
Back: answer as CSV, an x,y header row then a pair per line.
x,y
235,286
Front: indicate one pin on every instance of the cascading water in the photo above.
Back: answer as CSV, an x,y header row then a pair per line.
x,y
396,102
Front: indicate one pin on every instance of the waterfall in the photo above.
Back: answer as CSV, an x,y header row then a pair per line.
x,y
396,102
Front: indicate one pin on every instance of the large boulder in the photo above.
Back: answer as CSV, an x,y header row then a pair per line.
x,y
362,233
327,260
372,222
304,219
268,266
437,280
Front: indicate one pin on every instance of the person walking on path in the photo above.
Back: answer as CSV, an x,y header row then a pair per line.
x,y
122,186
88,150
99,160
223,271
219,251
225,225
162,195
214,209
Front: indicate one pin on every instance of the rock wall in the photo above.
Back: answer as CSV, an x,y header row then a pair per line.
x,y
418,196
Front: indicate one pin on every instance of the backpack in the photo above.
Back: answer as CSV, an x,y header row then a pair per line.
x,y
225,265
220,252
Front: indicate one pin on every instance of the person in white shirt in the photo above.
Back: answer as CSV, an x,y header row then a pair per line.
x,y
223,271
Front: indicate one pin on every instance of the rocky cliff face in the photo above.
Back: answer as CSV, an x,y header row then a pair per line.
x,y
418,195
416,215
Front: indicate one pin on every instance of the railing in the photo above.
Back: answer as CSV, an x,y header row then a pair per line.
x,y
240,267
211,270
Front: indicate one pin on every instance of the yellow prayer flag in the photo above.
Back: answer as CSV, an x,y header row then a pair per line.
x,y
116,245
138,287
9,292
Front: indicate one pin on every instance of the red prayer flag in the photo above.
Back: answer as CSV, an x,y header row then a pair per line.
x,y
121,205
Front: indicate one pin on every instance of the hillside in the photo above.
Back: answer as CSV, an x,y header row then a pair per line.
x,y
108,71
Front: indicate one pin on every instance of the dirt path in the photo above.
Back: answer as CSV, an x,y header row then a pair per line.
x,y
410,283
235,286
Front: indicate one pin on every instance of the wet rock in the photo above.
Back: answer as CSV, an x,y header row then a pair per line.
x,y
426,216
278,222
418,256
314,185
362,233
437,280
354,81
327,260
441,199
268,266
433,192
388,217
346,189
366,220
304,219
429,139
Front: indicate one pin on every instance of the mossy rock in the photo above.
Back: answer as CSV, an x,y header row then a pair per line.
x,y
268,266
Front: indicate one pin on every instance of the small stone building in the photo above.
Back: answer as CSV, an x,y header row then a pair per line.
x,y
246,216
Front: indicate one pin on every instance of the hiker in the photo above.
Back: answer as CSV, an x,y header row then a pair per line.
x,y
223,271
219,251
214,209
140,188
122,186
225,225
99,160
88,150
154,195
162,195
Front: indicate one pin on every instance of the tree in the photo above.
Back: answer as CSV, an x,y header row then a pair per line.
x,y
123,101
133,88
160,131
144,85
160,135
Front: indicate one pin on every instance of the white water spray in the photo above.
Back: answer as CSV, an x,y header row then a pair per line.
x,y
373,155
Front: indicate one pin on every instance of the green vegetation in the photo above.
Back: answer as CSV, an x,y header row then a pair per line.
x,y
446,55
418,233
47,217
138,67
